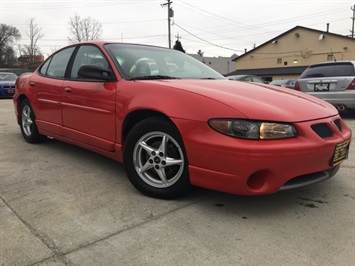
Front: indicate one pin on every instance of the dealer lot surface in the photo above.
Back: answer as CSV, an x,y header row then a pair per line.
x,y
63,205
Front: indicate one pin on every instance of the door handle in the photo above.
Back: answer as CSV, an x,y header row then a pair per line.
x,y
68,90
32,84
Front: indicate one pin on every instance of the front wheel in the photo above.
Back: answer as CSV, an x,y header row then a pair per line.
x,y
28,125
155,159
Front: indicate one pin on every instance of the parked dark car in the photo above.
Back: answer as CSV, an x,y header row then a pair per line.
x,y
7,84
333,82
248,78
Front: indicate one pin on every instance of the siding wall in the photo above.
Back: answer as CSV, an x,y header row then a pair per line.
x,y
299,47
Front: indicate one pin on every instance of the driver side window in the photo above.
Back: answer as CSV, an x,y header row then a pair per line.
x,y
88,55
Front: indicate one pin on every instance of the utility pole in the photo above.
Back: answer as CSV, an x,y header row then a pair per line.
x,y
170,15
353,19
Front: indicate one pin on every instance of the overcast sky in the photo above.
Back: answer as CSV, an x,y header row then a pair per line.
x,y
217,27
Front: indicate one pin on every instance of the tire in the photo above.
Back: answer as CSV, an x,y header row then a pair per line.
x,y
155,159
28,125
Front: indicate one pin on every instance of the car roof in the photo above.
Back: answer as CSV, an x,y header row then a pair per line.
x,y
102,43
332,63
7,73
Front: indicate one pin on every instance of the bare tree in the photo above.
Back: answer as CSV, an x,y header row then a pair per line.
x,y
8,36
85,29
34,34
53,50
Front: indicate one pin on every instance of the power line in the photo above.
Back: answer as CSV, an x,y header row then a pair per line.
x,y
65,4
220,32
242,26
103,23
216,45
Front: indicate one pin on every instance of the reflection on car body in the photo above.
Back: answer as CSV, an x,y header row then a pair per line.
x,y
179,123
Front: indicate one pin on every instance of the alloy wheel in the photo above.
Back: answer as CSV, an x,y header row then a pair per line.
x,y
158,159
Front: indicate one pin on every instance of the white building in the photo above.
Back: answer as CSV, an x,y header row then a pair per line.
x,y
222,65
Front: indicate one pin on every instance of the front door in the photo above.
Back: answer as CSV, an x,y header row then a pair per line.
x,y
88,106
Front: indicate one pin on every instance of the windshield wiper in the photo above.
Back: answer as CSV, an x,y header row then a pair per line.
x,y
152,77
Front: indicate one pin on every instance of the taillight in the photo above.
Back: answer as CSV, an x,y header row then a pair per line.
x,y
297,86
351,85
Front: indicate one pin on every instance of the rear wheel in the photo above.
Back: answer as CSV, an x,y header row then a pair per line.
x,y
28,125
155,159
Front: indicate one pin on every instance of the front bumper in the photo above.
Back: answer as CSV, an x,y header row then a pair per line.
x,y
309,179
253,167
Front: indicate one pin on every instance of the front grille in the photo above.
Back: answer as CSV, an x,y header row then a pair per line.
x,y
338,124
322,130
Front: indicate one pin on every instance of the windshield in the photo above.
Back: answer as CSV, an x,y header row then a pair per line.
x,y
147,62
7,77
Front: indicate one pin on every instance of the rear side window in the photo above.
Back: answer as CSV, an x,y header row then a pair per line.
x,y
55,67
329,70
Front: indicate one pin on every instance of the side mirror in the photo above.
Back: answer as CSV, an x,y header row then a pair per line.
x,y
94,72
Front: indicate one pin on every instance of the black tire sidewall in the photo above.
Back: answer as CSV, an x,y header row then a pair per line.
x,y
182,186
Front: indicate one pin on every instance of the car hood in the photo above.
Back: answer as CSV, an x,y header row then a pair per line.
x,y
257,101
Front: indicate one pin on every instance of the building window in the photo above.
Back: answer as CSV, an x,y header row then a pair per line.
x,y
295,61
279,60
330,57
285,63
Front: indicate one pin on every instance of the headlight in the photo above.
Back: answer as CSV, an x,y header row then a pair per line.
x,y
247,129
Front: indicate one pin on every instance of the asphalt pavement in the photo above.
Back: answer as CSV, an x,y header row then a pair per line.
x,y
63,205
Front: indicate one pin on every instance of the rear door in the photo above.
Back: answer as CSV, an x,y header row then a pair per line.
x,y
47,87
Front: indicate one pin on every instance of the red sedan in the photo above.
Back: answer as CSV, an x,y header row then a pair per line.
x,y
174,122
